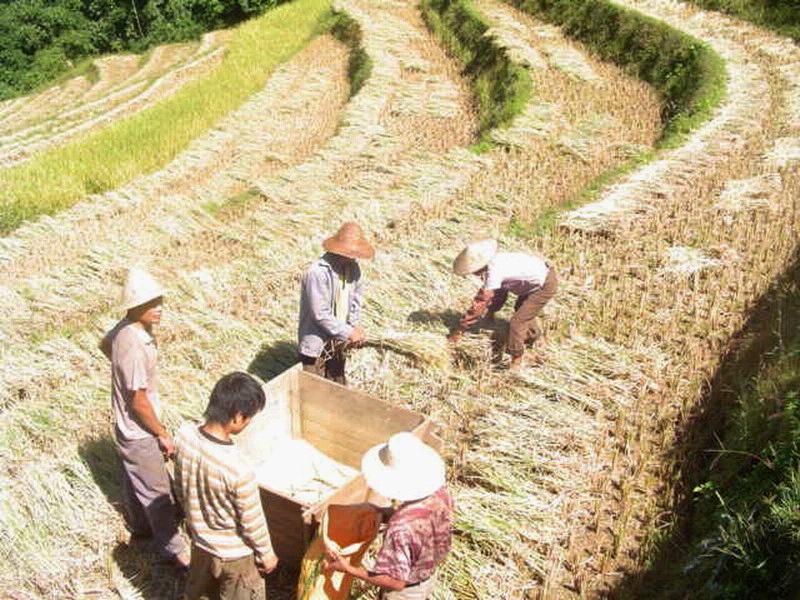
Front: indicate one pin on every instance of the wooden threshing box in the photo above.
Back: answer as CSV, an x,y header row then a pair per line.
x,y
306,413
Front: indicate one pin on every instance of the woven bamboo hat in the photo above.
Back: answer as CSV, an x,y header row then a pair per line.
x,y
474,257
404,468
349,241
140,287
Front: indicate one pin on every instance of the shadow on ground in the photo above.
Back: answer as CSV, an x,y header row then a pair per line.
x,y
273,359
773,321
145,572
448,318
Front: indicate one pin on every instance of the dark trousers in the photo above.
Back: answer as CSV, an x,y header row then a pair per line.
x,y
147,496
524,325
212,577
328,365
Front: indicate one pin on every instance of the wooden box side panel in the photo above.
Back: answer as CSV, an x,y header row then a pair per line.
x,y
344,423
276,422
287,529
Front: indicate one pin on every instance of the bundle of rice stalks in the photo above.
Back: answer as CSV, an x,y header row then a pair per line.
x,y
429,350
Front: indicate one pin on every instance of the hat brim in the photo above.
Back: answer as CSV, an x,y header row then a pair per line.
x,y
144,300
359,249
422,481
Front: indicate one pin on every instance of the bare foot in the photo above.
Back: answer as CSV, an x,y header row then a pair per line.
x,y
516,364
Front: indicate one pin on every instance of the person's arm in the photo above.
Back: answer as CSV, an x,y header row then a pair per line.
x,y
251,522
384,581
478,309
146,417
318,293
392,565
177,479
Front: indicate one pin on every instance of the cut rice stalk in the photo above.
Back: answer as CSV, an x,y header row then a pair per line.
x,y
429,350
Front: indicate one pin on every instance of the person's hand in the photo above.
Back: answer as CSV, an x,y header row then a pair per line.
x,y
357,336
166,445
455,337
334,562
267,564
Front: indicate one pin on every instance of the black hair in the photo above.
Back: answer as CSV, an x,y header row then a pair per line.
x,y
235,393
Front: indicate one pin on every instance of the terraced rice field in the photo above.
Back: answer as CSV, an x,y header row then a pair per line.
x,y
556,470
125,85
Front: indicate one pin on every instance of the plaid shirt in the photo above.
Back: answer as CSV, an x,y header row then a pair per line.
x,y
417,539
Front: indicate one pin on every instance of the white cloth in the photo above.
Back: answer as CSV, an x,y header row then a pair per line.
x,y
341,302
516,272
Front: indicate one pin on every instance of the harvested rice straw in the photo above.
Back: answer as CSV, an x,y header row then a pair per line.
x,y
429,350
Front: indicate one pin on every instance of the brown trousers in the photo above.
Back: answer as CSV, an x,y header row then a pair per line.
x,y
524,326
217,579
329,364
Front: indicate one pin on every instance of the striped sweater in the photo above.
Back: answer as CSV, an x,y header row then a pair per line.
x,y
219,495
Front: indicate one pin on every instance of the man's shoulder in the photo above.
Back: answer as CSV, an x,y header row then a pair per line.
x,y
124,337
317,269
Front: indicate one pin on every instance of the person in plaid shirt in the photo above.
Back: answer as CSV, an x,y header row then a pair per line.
x,y
419,530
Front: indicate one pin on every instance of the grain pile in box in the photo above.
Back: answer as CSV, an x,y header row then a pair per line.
x,y
301,471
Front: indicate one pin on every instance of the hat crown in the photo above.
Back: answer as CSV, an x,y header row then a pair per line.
x,y
349,241
404,468
401,450
475,256
350,232
140,287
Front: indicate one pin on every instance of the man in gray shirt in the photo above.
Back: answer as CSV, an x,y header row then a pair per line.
x,y
142,440
330,304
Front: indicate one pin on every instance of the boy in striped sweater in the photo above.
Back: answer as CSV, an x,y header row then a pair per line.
x,y
231,548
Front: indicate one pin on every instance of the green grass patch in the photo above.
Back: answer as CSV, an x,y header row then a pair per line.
x,y
740,538
689,76
783,16
60,177
501,88
348,31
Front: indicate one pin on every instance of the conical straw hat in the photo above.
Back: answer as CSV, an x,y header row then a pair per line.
x,y
404,468
349,241
139,288
474,257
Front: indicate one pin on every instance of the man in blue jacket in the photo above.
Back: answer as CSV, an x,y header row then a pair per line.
x,y
330,303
